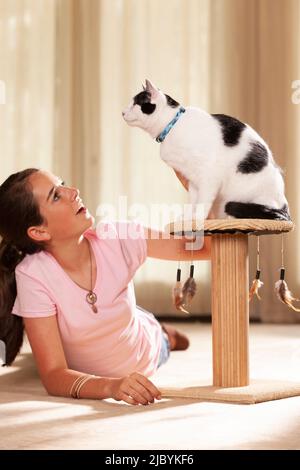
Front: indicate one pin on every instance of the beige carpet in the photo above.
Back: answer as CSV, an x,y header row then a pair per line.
x,y
29,419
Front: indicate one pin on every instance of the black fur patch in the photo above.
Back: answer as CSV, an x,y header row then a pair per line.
x,y
143,99
232,129
171,102
249,210
255,160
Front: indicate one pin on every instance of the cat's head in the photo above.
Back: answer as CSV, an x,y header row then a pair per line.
x,y
147,106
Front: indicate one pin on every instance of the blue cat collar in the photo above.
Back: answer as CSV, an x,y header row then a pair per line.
x,y
169,126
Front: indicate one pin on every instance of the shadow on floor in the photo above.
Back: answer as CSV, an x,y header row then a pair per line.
x,y
23,384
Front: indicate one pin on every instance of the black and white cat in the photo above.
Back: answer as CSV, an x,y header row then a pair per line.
x,y
230,168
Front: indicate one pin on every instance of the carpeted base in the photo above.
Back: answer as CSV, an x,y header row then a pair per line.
x,y
258,391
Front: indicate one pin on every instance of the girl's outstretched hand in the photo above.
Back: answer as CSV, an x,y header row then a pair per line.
x,y
134,389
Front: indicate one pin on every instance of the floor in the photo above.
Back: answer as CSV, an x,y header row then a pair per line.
x,y
32,420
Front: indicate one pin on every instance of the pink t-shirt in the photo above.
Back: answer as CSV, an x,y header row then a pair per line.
x,y
120,338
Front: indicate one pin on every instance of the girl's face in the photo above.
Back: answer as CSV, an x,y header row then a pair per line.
x,y
59,205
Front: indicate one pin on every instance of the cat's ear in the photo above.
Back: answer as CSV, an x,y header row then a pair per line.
x,y
151,88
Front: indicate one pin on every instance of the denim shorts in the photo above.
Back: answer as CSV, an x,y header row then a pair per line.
x,y
164,350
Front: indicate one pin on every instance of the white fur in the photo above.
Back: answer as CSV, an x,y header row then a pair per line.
x,y
195,148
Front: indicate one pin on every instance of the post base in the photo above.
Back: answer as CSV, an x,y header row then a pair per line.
x,y
258,391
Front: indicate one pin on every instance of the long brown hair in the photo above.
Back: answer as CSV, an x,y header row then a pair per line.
x,y
18,211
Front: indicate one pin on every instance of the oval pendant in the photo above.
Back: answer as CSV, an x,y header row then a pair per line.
x,y
91,299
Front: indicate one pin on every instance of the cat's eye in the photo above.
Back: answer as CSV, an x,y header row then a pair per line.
x,y
148,108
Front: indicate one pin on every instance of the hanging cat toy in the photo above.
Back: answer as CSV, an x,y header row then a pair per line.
x,y
281,288
183,294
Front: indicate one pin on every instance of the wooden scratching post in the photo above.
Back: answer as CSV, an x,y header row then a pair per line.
x,y
230,314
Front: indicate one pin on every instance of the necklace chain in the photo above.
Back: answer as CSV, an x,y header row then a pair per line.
x,y
91,297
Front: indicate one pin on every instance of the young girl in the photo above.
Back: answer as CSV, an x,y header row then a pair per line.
x,y
72,290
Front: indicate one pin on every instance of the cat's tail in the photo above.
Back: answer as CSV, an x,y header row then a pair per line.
x,y
249,210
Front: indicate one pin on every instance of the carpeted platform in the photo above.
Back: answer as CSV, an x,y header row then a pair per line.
x,y
30,419
257,391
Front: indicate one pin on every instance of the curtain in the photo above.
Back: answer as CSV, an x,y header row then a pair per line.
x,y
27,33
167,42
256,58
278,118
71,66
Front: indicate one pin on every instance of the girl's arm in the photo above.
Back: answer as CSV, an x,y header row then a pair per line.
x,y
57,378
175,249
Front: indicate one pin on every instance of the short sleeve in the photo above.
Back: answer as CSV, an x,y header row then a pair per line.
x,y
132,240
33,299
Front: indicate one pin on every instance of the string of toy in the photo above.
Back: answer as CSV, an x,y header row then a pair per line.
x,y
281,287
